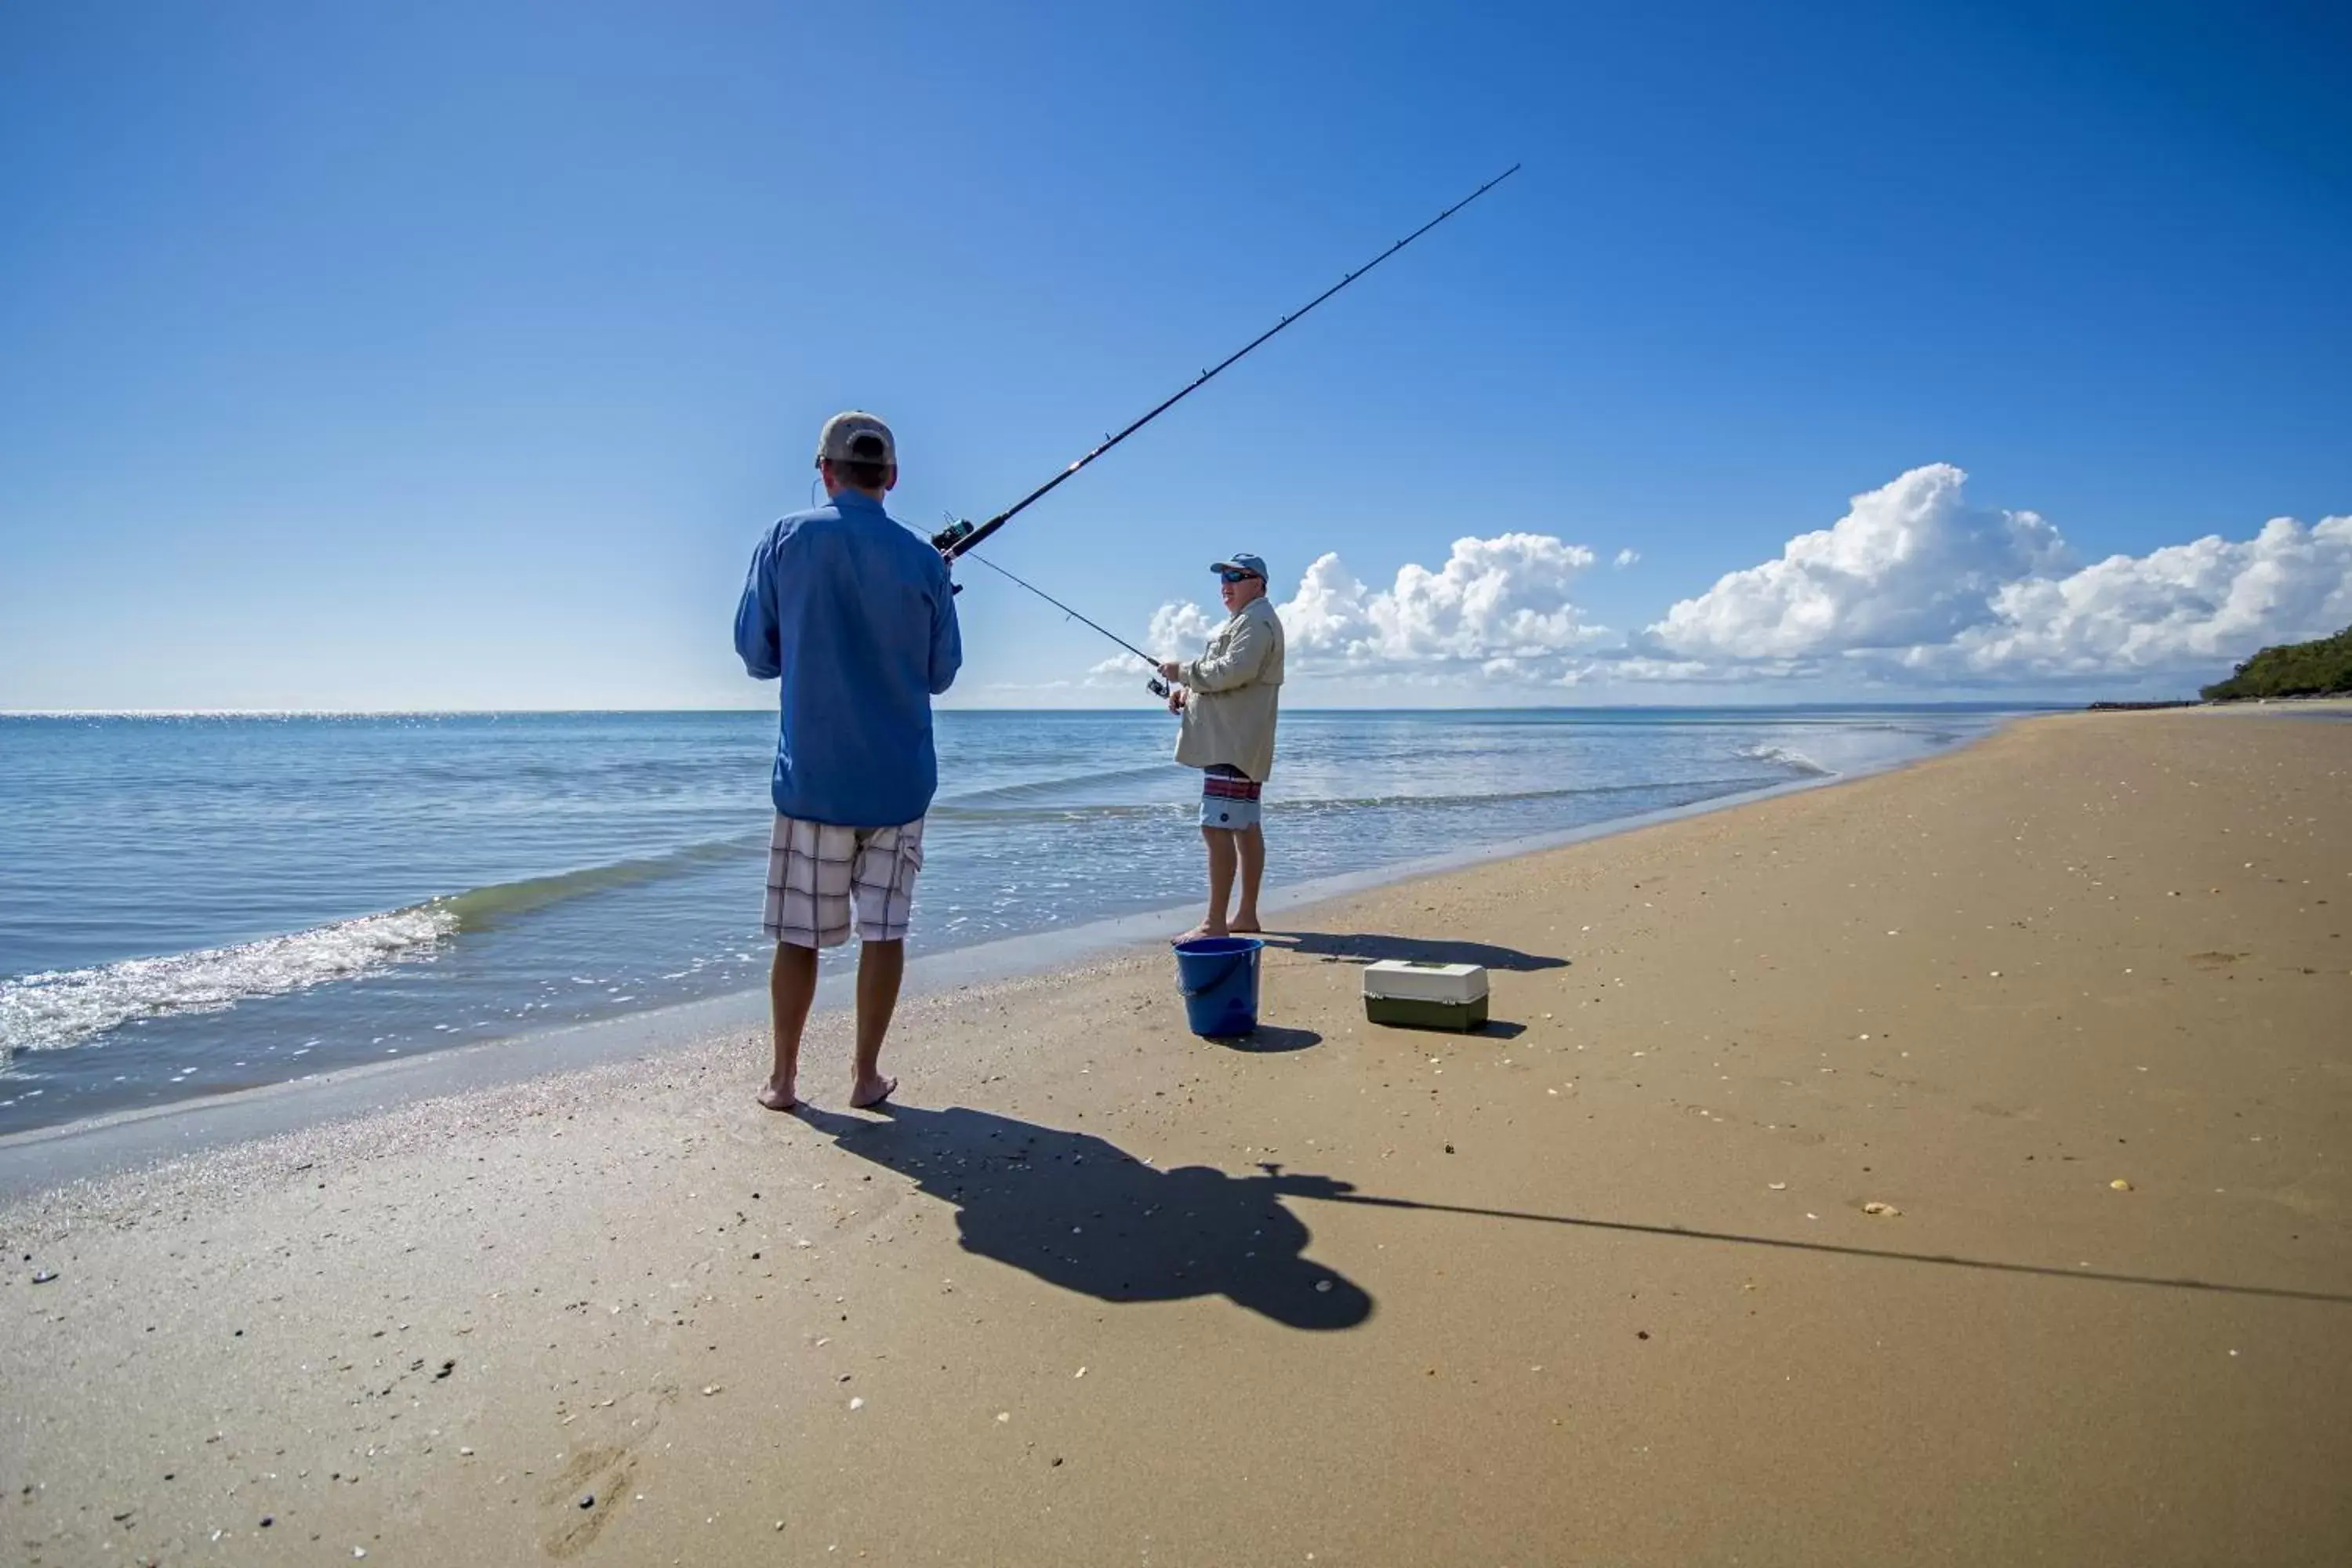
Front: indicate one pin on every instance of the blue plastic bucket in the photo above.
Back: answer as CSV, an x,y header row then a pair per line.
x,y
1218,975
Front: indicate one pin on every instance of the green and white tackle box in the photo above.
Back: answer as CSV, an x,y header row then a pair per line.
x,y
1425,996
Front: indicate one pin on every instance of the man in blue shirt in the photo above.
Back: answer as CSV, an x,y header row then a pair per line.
x,y
855,617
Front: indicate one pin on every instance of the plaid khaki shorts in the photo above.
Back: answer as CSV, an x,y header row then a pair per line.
x,y
815,869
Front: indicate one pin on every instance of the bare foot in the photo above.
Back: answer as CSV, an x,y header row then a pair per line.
x,y
778,1095
1204,931
868,1092
1247,925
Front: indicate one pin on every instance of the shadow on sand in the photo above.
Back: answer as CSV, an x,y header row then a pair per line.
x,y
1366,947
1268,1039
1084,1215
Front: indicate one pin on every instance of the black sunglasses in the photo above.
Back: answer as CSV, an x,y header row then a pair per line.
x,y
1237,576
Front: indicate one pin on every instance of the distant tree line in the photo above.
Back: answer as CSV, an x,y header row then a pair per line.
x,y
2320,668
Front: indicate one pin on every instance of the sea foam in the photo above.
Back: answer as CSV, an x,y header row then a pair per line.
x,y
66,1007
1785,757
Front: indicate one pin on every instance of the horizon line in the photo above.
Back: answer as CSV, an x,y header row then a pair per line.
x,y
432,713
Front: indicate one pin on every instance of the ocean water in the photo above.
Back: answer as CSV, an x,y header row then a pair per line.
x,y
192,905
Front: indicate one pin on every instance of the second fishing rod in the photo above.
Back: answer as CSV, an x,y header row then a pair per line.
x,y
962,537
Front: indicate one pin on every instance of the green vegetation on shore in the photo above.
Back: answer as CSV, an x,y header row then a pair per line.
x,y
2317,668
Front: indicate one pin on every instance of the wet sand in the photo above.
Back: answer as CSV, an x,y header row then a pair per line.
x,y
1599,1286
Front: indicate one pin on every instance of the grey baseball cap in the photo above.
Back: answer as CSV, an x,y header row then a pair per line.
x,y
856,437
1241,561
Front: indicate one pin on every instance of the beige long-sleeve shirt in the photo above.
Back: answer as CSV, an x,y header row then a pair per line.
x,y
1234,690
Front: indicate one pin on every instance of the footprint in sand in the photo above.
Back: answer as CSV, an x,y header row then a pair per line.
x,y
584,1496
602,1475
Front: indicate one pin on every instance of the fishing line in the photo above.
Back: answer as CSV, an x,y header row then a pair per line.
x,y
1156,687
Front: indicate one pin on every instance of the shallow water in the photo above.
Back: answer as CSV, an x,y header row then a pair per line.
x,y
194,904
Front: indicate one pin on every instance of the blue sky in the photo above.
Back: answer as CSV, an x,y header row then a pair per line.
x,y
454,356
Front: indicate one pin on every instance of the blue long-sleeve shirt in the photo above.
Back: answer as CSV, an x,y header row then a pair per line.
x,y
855,616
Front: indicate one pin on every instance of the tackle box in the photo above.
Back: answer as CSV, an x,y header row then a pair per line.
x,y
1425,996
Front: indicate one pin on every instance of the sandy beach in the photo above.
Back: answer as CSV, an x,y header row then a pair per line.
x,y
1946,1167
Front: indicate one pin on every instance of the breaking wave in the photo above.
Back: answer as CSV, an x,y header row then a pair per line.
x,y
65,1007
1784,757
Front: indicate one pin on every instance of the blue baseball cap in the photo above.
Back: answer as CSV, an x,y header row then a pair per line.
x,y
1241,561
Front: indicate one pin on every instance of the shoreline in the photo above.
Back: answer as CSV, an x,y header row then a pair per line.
x,y
118,1140
1950,1166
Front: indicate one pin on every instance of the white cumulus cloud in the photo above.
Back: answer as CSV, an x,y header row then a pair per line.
x,y
2203,604
1497,609
1177,628
1913,581
1908,563
1626,557
1501,599
1913,584
1177,631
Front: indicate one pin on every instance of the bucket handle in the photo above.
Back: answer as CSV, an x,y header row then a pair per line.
x,y
1235,962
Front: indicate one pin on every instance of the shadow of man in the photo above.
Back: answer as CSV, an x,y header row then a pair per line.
x,y
1084,1215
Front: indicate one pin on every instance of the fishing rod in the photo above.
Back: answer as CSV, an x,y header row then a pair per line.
x,y
960,537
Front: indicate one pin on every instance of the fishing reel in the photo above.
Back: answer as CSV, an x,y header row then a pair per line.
x,y
945,541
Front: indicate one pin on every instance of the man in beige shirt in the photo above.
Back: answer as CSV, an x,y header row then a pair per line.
x,y
1227,698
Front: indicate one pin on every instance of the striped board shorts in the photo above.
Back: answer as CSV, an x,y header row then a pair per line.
x,y
1228,798
817,869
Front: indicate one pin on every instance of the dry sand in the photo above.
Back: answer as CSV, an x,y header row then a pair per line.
x,y
1601,1288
